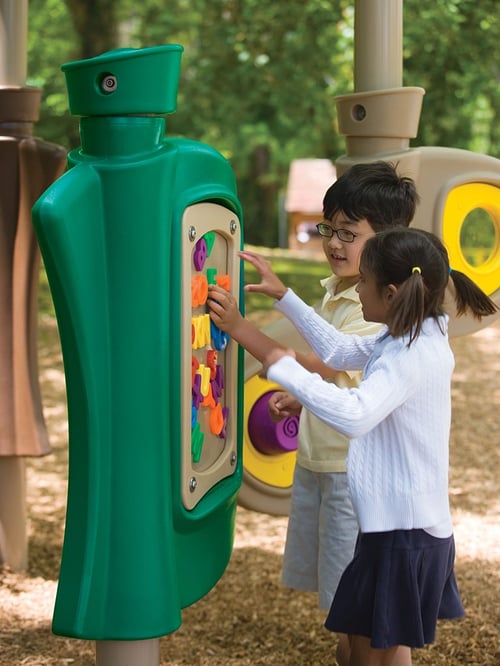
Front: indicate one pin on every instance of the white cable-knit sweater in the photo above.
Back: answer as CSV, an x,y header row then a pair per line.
x,y
397,420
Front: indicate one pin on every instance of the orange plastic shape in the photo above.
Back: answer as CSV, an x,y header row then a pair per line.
x,y
199,290
224,281
216,419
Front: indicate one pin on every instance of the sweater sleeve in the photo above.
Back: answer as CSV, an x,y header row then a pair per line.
x,y
351,411
337,350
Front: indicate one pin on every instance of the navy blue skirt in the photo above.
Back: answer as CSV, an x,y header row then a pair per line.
x,y
396,587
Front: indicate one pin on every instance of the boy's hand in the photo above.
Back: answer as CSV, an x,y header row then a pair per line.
x,y
282,404
223,308
270,284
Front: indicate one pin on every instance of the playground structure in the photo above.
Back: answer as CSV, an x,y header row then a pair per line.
x,y
378,120
194,496
28,166
131,236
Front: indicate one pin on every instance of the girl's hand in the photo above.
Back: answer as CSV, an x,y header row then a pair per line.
x,y
223,308
282,404
270,284
274,355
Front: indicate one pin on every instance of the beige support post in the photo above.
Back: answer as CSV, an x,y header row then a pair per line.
x,y
378,44
381,116
13,539
128,653
27,167
13,40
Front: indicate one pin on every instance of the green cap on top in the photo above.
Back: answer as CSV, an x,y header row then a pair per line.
x,y
125,82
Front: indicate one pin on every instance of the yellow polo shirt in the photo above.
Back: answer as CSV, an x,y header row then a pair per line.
x,y
320,448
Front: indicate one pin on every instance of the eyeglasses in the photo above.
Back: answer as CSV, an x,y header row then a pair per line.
x,y
343,235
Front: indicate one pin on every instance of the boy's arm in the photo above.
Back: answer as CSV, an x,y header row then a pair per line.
x,y
313,363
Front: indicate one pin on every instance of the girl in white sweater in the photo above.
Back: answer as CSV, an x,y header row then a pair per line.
x,y
401,578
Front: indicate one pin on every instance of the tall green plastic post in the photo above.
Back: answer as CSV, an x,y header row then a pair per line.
x,y
131,235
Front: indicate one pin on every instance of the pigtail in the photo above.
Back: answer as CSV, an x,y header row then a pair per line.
x,y
470,298
407,312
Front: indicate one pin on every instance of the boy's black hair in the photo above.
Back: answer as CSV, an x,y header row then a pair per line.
x,y
373,191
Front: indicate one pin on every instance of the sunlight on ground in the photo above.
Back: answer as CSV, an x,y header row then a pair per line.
x,y
477,536
31,599
259,530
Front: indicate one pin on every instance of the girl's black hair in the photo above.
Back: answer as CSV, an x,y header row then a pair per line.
x,y
416,261
373,191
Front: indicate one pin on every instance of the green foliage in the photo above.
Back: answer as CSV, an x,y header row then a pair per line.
x,y
51,19
452,49
256,84
259,78
477,237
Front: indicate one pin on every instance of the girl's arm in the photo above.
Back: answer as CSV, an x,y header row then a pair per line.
x,y
353,412
337,350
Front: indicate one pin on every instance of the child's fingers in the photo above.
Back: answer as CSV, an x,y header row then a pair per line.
x,y
275,399
216,289
253,287
255,259
219,296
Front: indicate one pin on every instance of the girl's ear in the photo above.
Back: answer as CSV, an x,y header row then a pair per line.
x,y
390,291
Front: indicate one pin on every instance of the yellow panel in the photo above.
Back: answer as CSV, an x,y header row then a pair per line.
x,y
460,202
271,470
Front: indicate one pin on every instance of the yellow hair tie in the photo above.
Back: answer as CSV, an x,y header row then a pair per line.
x,y
416,269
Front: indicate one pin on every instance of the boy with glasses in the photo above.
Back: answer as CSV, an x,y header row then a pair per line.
x,y
322,528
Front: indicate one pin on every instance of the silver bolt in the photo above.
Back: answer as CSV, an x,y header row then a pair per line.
x,y
233,458
109,83
192,484
191,233
233,226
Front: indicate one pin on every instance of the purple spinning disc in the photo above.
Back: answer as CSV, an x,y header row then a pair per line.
x,y
270,437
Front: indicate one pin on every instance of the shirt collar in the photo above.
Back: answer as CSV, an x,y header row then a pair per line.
x,y
330,284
